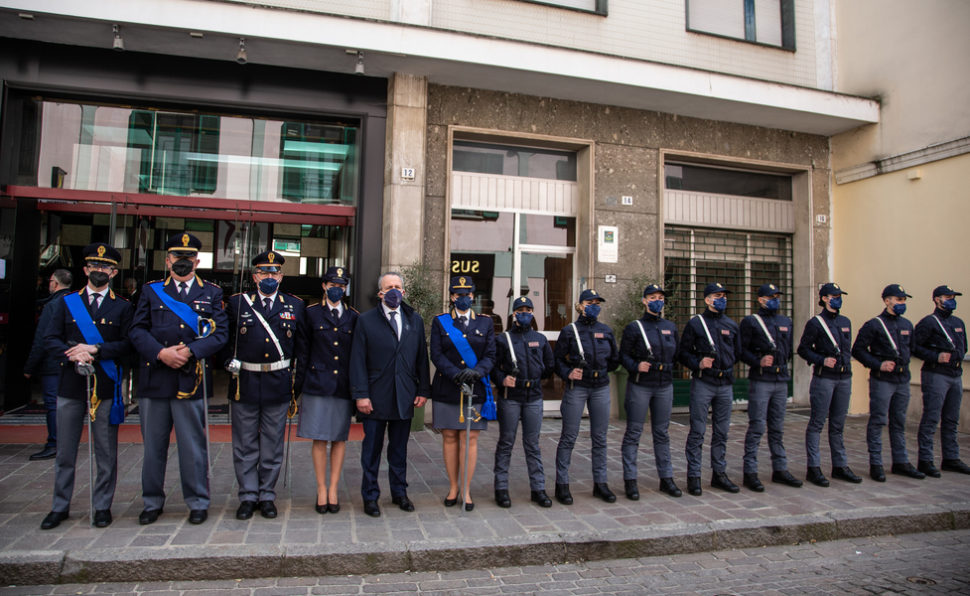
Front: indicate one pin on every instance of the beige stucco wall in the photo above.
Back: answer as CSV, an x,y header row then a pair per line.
x,y
890,229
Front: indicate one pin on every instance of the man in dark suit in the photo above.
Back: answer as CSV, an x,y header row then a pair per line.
x,y
172,346
388,379
89,329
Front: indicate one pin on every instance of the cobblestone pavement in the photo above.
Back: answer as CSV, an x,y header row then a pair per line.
x,y
934,562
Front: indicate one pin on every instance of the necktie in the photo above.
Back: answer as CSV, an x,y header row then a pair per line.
x,y
95,302
397,330
266,305
183,290
463,323
335,313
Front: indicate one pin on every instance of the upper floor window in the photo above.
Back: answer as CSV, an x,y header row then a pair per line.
x,y
768,22
595,6
512,160
703,179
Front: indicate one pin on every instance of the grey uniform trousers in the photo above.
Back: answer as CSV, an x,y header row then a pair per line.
x,y
766,408
574,400
510,413
888,402
659,401
717,398
187,416
829,399
942,395
70,424
257,448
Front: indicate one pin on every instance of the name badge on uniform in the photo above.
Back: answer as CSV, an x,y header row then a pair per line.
x,y
533,344
904,332
783,329
598,335
665,331
725,332
845,330
958,329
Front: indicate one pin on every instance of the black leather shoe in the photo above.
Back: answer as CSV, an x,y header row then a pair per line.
x,y
541,498
469,506
720,480
102,518
844,473
563,495
246,509
752,482
502,499
333,507
816,477
631,489
53,519
954,465
877,473
451,502
601,490
372,509
46,453
268,509
149,516
694,485
785,477
928,468
907,469
321,509
198,516
667,486
403,502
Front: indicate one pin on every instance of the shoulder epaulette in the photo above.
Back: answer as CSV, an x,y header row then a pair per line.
x,y
352,309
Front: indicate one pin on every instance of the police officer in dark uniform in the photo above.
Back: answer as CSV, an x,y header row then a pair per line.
x,y
648,349
826,344
941,341
709,347
89,328
453,370
178,324
883,346
766,347
585,354
268,339
523,359
326,405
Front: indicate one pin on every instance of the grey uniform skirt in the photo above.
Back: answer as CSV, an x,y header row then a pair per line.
x,y
445,417
324,418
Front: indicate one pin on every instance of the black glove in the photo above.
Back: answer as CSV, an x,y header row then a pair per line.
x,y
467,375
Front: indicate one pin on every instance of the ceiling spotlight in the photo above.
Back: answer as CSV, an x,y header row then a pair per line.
x,y
241,56
359,67
118,44
26,16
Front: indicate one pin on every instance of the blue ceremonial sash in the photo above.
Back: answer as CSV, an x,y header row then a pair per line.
x,y
181,309
93,337
468,355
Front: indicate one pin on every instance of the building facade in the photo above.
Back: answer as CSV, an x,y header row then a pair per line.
x,y
540,147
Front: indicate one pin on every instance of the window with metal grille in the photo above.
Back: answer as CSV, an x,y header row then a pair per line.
x,y
742,261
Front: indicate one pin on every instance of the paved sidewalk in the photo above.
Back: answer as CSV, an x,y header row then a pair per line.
x,y
435,538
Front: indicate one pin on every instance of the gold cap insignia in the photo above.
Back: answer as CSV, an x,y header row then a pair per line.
x,y
461,280
101,250
185,239
901,289
593,292
271,256
836,286
772,286
340,272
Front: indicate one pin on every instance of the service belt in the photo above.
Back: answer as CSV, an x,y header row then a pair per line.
x,y
265,366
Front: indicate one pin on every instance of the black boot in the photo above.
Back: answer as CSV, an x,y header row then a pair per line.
x,y
632,491
502,499
955,465
540,497
877,473
785,477
601,490
720,480
928,468
694,485
563,495
816,477
667,486
907,469
753,482
845,473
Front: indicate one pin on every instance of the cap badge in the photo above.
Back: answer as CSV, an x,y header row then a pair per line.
x,y
340,272
772,286
461,281
271,256
836,286
185,239
901,289
593,292
101,250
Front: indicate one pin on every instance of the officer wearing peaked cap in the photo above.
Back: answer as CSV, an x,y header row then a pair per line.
x,y
941,342
766,347
89,327
326,405
709,347
267,349
826,344
884,345
179,323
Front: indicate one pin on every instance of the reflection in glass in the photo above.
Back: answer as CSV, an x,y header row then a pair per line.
x,y
513,160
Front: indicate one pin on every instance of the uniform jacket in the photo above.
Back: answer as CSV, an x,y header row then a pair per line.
x,y
328,364
872,347
40,360
249,342
599,347
533,357
388,371
112,319
662,335
754,345
815,345
929,341
155,327
480,334
694,346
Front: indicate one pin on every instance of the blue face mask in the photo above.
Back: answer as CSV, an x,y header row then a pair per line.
x,y
836,302
592,311
949,304
773,304
268,285
655,306
899,309
523,318
393,297
334,294
463,302
720,304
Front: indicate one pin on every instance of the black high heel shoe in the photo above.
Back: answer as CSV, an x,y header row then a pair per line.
x,y
469,506
321,509
451,502
333,507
